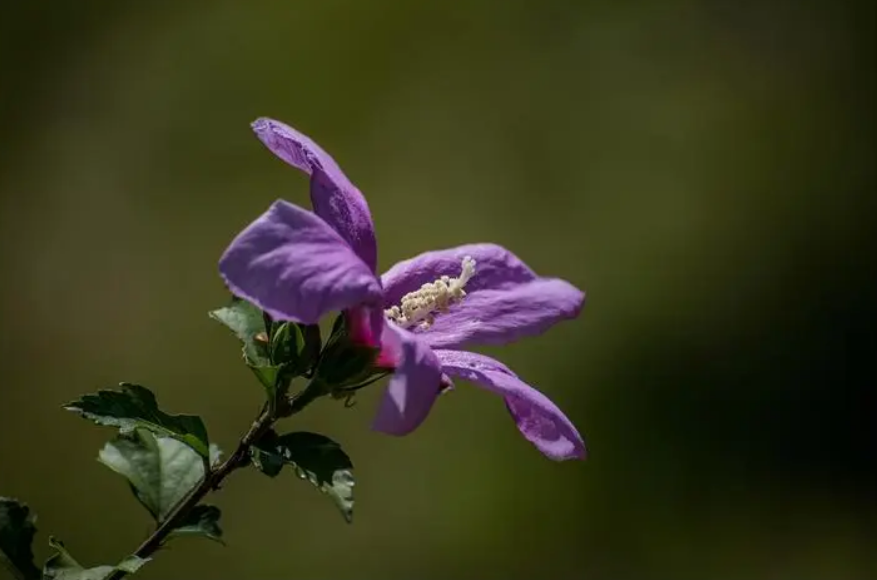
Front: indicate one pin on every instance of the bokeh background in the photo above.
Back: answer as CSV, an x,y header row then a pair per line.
x,y
704,169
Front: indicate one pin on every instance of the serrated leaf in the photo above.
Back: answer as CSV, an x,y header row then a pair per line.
x,y
315,458
17,531
161,470
131,564
62,566
135,407
265,456
267,375
203,520
267,462
215,455
247,323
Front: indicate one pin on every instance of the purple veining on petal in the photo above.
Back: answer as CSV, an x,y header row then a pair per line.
x,y
333,195
496,268
291,264
538,419
503,316
414,386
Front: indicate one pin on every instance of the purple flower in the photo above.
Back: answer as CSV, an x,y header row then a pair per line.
x,y
297,265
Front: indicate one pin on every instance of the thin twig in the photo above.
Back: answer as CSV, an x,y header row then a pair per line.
x,y
211,481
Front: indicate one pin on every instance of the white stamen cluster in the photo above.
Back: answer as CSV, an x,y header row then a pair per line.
x,y
419,307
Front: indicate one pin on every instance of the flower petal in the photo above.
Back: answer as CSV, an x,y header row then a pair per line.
x,y
503,316
334,197
414,387
291,264
496,268
537,418
365,326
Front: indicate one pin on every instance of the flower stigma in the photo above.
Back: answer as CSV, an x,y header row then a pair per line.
x,y
419,307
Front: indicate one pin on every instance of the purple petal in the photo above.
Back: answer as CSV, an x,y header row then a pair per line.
x,y
415,384
291,264
365,324
334,197
496,268
537,418
503,316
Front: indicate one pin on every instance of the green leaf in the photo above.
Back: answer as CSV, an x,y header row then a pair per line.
x,y
287,343
131,564
313,344
16,538
247,322
62,566
276,351
314,457
135,407
294,351
265,456
267,375
251,326
161,470
346,363
215,455
203,520
295,346
339,327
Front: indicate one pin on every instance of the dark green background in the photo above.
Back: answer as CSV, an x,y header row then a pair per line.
x,y
705,170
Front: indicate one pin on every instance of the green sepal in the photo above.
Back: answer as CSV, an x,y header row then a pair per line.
x,y
313,344
285,349
287,343
276,351
295,348
135,407
339,328
345,363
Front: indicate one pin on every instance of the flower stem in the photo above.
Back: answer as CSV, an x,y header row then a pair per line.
x,y
312,392
212,480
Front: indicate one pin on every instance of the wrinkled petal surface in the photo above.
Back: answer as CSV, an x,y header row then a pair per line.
x,y
291,264
414,386
496,268
334,197
503,316
537,418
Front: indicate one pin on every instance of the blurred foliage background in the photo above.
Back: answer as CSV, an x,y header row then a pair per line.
x,y
704,169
